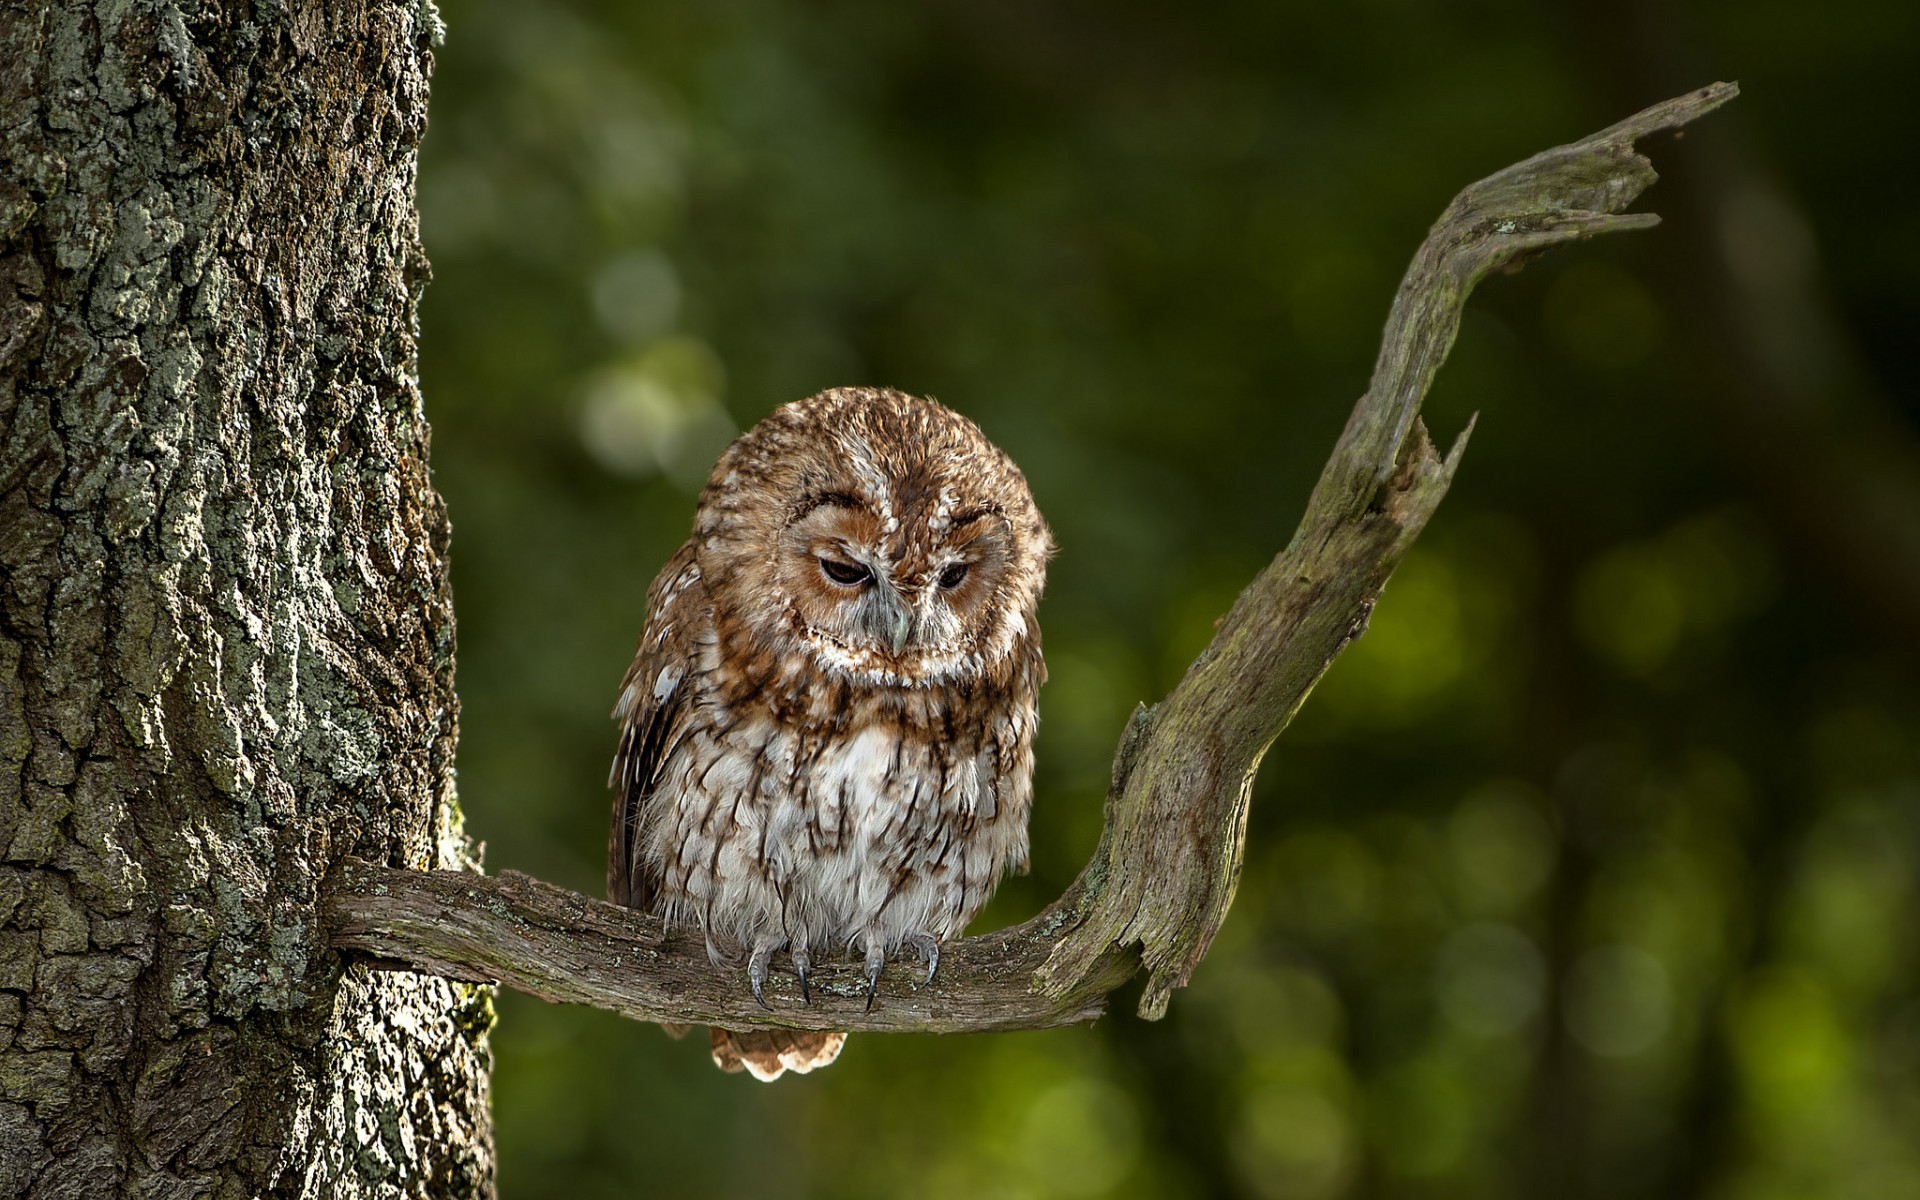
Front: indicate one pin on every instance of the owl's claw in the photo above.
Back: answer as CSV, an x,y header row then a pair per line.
x,y
929,948
757,974
876,962
803,963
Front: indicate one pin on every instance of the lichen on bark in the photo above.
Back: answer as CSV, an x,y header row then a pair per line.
x,y
226,640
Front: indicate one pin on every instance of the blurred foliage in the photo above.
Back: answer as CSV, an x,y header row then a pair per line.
x,y
1590,871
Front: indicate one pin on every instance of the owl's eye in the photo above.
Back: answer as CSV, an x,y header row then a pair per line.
x,y
953,576
845,574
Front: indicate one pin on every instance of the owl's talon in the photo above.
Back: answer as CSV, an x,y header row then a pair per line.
x,y
802,964
757,974
929,948
876,962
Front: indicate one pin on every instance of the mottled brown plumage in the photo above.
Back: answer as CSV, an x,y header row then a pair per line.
x,y
826,734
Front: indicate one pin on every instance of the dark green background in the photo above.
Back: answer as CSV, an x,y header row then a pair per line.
x,y
1590,871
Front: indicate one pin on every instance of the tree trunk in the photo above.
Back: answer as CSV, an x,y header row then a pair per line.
x,y
226,642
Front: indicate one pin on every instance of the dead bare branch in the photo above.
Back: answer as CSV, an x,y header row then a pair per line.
x,y
1161,881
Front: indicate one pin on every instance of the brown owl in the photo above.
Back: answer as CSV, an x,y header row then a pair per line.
x,y
826,733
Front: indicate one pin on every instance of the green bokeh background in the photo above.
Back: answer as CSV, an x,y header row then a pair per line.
x,y
1590,871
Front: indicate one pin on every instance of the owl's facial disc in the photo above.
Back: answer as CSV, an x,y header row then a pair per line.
x,y
893,595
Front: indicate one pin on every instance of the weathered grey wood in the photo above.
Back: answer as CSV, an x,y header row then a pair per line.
x,y
225,630
562,946
1161,881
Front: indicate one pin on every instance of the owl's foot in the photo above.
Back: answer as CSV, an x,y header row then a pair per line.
x,y
803,963
924,944
757,972
876,962
929,948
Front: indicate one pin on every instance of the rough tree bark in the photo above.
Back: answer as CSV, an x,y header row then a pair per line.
x,y
225,633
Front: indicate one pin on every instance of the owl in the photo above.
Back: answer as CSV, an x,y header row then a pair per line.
x,y
826,735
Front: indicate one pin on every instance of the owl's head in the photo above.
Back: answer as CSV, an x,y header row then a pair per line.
x,y
882,531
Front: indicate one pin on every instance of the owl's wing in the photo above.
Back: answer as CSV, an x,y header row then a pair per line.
x,y
652,711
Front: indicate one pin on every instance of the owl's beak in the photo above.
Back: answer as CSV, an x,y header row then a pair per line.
x,y
887,618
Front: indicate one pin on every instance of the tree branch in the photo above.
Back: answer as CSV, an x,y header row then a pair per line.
x,y
1164,873
561,946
